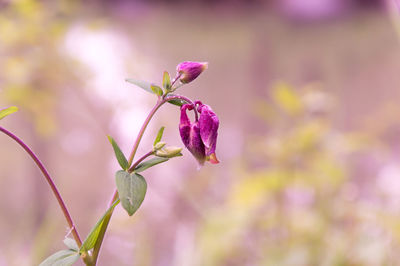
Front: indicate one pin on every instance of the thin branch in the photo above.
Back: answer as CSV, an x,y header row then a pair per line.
x,y
51,183
140,160
160,102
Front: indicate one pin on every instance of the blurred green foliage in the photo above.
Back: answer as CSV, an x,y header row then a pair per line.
x,y
34,66
293,201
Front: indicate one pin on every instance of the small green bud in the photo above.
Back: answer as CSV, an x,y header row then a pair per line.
x,y
169,152
159,146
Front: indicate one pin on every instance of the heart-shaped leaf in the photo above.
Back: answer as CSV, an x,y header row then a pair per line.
x,y
61,258
149,163
131,189
141,83
7,111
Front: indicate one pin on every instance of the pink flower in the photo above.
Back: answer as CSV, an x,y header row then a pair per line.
x,y
200,137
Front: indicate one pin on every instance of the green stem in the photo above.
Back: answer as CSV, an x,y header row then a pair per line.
x,y
160,102
96,248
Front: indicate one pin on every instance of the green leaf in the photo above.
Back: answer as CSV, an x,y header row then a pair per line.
x,y
157,90
141,83
166,81
123,162
132,189
149,163
71,244
177,102
61,258
91,239
7,111
159,136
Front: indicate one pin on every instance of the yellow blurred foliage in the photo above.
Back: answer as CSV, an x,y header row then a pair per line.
x,y
286,98
293,197
34,67
255,188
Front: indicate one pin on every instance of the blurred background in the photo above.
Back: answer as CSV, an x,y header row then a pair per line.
x,y
307,94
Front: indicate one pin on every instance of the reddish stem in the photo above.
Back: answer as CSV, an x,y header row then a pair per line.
x,y
159,103
140,160
51,183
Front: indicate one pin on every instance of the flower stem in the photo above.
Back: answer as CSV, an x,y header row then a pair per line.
x,y
51,183
140,160
175,79
159,103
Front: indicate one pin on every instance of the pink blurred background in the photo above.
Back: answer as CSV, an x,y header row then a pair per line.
x,y
307,95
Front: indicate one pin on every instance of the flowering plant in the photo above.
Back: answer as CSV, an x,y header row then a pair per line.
x,y
199,137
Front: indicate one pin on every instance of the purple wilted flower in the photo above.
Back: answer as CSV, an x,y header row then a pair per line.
x,y
188,71
209,124
200,137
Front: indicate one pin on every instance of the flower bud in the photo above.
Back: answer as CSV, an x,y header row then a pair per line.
x,y
188,71
169,152
159,145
